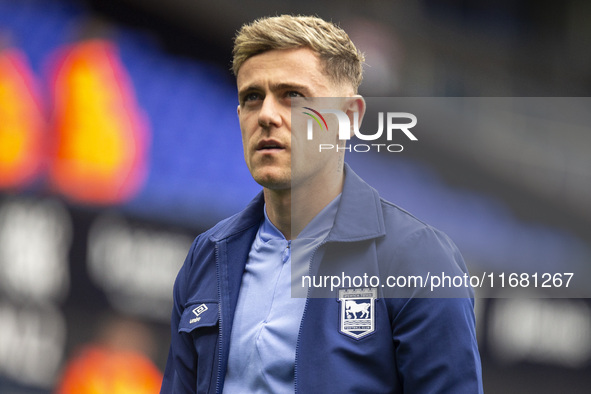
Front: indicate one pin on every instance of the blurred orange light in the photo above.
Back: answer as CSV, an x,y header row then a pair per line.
x,y
102,133
100,370
22,126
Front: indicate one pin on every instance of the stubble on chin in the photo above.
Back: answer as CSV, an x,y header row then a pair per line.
x,y
280,180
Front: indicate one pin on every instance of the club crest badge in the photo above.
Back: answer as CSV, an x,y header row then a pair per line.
x,y
357,307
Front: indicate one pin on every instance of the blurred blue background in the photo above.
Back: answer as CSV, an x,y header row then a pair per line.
x,y
514,198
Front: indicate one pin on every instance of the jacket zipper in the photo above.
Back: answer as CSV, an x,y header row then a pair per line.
x,y
295,371
217,265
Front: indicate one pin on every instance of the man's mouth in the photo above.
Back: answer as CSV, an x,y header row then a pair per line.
x,y
269,145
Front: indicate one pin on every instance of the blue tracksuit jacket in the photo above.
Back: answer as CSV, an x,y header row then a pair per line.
x,y
417,344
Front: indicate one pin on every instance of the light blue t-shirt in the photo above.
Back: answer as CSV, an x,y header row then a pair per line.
x,y
267,318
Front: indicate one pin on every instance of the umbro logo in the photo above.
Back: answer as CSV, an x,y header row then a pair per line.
x,y
198,311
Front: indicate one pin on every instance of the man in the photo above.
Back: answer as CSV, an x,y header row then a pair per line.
x,y
235,326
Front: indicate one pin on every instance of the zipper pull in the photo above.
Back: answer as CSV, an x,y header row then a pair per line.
x,y
287,252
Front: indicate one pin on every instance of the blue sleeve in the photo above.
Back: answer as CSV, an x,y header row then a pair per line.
x,y
436,348
181,366
435,337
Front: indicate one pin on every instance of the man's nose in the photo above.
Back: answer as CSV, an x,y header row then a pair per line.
x,y
269,114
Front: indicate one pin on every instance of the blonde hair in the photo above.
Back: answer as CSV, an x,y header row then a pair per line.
x,y
341,60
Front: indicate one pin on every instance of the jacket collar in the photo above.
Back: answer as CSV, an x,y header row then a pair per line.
x,y
359,215
243,220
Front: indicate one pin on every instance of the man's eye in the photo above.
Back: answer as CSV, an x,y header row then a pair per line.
x,y
293,94
250,97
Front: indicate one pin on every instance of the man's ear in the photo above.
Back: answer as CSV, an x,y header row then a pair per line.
x,y
238,110
355,107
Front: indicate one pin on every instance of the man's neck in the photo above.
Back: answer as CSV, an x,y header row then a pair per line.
x,y
290,210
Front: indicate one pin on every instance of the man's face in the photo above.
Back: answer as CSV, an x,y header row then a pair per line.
x,y
266,85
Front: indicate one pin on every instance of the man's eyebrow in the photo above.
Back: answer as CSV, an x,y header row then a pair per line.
x,y
291,86
276,87
248,89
